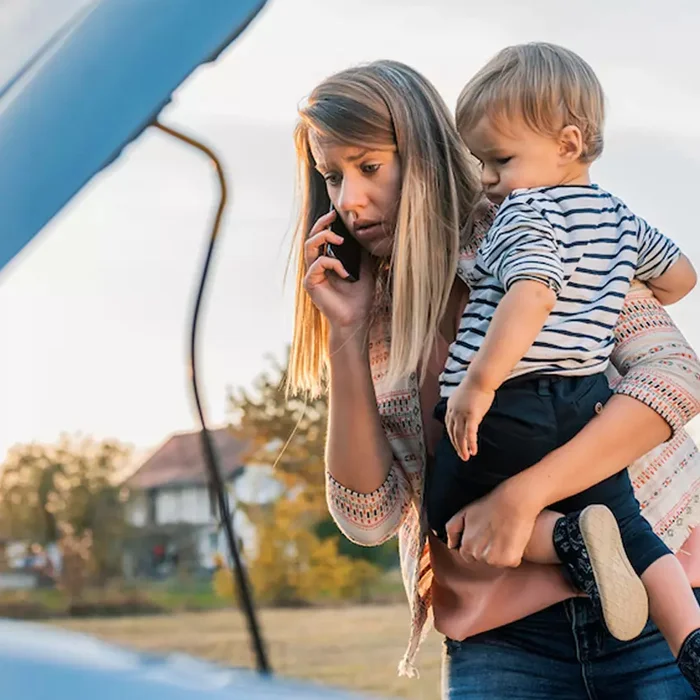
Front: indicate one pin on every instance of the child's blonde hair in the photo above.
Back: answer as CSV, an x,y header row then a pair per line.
x,y
547,86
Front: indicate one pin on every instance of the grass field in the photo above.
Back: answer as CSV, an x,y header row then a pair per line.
x,y
353,647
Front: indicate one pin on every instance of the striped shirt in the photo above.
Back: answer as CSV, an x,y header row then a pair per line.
x,y
583,243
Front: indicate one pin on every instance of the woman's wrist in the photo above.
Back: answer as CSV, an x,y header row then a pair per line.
x,y
351,338
524,494
349,358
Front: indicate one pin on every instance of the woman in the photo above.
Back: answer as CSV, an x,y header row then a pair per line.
x,y
379,144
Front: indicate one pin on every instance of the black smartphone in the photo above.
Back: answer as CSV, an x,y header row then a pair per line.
x,y
349,253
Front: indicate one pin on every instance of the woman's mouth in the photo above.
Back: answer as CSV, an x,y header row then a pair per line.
x,y
368,231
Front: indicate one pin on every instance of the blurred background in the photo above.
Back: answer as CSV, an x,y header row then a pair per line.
x,y
105,520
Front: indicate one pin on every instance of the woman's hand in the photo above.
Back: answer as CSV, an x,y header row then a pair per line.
x,y
495,529
345,304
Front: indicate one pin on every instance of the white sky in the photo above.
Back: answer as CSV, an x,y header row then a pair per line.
x,y
94,314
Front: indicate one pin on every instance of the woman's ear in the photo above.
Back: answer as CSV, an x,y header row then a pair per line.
x,y
570,144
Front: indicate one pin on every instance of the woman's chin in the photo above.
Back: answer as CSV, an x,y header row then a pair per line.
x,y
379,249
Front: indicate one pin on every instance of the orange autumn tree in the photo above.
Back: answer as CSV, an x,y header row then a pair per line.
x,y
300,554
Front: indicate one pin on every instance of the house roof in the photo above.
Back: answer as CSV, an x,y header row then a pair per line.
x,y
180,461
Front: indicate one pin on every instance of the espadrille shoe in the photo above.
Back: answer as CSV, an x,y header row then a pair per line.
x,y
589,545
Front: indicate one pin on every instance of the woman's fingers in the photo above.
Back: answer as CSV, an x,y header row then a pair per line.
x,y
322,222
317,271
315,245
455,530
314,242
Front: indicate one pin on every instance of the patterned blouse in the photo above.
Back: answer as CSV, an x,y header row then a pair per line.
x,y
651,362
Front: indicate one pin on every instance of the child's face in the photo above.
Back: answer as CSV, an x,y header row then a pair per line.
x,y
513,156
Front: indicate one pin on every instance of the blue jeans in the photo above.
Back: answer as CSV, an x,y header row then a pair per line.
x,y
562,652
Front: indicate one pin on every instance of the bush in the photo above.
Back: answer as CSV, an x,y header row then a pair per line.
x,y
384,556
294,566
130,605
43,605
25,610
222,581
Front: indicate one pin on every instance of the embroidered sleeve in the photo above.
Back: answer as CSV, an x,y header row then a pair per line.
x,y
657,364
370,518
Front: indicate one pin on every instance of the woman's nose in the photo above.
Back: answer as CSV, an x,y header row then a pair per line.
x,y
353,196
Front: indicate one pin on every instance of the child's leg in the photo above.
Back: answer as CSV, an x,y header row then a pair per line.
x,y
518,412
676,613
540,548
589,545
621,600
672,603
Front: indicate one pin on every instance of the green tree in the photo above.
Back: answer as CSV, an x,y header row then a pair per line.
x,y
73,486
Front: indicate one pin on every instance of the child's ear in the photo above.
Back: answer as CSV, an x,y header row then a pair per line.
x,y
570,143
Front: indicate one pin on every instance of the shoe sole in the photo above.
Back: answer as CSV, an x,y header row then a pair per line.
x,y
622,594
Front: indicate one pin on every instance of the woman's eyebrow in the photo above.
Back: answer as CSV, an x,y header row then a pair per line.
x,y
358,156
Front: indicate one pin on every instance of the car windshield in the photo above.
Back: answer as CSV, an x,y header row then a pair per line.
x,y
26,26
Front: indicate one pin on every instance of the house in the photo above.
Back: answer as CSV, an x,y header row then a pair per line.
x,y
170,509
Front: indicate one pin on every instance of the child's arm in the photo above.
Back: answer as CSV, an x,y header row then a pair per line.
x,y
516,324
661,265
522,252
678,281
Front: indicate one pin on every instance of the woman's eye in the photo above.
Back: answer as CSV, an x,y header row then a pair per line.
x,y
332,179
370,168
503,161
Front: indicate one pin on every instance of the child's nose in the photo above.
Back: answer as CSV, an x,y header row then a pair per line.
x,y
488,176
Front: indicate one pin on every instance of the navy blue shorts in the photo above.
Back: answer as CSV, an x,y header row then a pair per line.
x,y
530,417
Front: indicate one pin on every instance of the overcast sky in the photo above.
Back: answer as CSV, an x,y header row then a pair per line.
x,y
94,313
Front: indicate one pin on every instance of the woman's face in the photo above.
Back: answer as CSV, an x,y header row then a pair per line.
x,y
364,185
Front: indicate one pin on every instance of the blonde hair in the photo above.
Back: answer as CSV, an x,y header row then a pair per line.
x,y
386,103
547,86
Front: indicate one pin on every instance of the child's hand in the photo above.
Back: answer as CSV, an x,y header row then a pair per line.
x,y
466,409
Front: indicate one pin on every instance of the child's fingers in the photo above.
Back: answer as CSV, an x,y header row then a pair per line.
x,y
471,435
450,425
459,437
464,445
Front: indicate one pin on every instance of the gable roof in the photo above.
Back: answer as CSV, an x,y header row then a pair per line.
x,y
180,461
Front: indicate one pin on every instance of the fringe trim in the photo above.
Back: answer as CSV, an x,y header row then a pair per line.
x,y
406,667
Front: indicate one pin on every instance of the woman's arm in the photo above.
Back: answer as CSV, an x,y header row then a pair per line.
x,y
358,454
658,393
655,361
367,491
624,431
